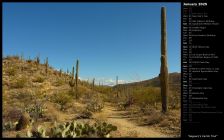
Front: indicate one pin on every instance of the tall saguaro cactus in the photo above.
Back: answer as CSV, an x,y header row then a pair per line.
x,y
76,78
164,68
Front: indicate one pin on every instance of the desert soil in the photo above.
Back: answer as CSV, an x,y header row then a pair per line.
x,y
126,127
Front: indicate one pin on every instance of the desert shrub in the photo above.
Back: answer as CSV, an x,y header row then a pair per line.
x,y
29,60
73,130
20,83
39,79
36,110
154,118
24,96
59,82
71,92
174,100
62,99
11,71
125,104
95,105
52,114
147,109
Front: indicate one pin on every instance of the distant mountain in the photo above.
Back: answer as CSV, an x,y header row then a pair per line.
x,y
174,82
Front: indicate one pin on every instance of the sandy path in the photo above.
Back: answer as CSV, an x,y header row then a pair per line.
x,y
126,128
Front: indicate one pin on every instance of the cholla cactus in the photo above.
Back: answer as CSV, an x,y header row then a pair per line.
x,y
164,67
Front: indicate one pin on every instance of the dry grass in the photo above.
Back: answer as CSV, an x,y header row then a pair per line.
x,y
39,79
11,71
19,83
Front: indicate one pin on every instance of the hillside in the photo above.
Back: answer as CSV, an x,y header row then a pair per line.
x,y
174,79
174,82
46,96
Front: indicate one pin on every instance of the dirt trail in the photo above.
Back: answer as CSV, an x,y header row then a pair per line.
x,y
126,128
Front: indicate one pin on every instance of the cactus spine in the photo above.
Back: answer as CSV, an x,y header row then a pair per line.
x,y
76,77
164,67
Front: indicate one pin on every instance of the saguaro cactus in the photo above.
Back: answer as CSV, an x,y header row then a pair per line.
x,y
76,78
71,82
38,59
73,71
60,72
164,68
46,64
21,57
93,83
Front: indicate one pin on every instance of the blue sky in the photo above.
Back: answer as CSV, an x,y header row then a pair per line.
x,y
109,39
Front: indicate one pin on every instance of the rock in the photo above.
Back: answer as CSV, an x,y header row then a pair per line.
x,y
23,122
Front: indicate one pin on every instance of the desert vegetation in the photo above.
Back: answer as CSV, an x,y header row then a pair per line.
x,y
42,102
33,102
